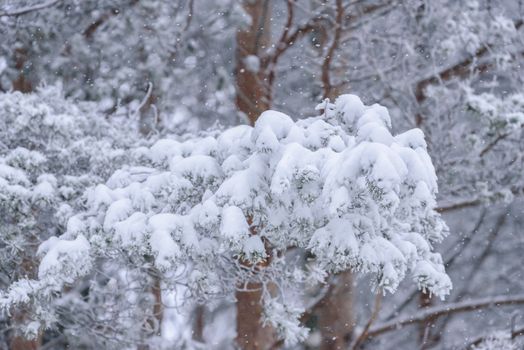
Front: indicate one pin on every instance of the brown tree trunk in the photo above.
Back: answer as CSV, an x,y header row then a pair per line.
x,y
153,322
20,315
251,335
18,341
21,83
335,313
253,97
252,85
158,307
198,324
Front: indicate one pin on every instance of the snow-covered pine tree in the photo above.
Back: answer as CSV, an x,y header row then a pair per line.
x,y
227,210
51,150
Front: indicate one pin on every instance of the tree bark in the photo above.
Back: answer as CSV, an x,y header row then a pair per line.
x,y
253,97
21,83
18,341
335,311
251,335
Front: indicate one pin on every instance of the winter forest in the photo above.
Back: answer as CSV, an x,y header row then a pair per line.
x,y
262,174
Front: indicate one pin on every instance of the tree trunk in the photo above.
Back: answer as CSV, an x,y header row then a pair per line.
x,y
153,322
198,323
251,335
17,341
21,83
335,311
252,99
252,84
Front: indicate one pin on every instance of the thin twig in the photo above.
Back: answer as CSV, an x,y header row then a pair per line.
x,y
326,65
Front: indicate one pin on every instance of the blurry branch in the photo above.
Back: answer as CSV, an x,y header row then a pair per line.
x,y
27,9
262,31
459,205
326,65
467,240
189,17
491,239
493,143
485,252
282,44
147,112
446,309
376,309
467,203
458,70
370,13
514,334
90,31
147,98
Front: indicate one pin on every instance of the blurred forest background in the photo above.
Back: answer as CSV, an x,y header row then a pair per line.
x,y
453,68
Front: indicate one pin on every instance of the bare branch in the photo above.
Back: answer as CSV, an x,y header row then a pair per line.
x,y
281,46
446,309
90,31
491,239
514,334
493,143
28,9
374,315
189,17
459,205
467,203
459,69
326,65
146,98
